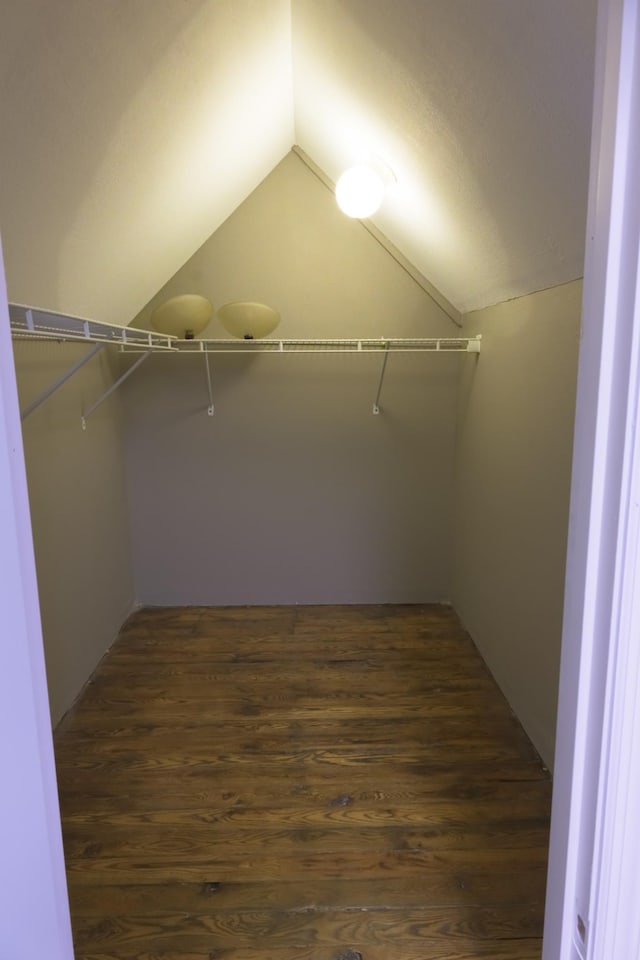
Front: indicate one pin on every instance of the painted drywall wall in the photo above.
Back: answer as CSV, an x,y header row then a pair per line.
x,y
293,492
515,431
78,512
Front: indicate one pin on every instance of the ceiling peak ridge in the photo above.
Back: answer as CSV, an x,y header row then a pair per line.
x,y
416,275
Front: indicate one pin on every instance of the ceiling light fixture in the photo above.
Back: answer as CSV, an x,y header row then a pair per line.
x,y
183,316
362,188
248,320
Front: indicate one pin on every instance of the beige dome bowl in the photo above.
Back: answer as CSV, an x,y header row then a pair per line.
x,y
248,320
184,316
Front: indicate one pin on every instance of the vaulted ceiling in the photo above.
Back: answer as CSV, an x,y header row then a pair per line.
x,y
130,130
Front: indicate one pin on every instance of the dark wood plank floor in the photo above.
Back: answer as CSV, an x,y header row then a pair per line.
x,y
311,783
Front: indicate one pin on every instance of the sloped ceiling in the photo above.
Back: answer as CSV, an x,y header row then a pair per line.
x,y
130,131
483,110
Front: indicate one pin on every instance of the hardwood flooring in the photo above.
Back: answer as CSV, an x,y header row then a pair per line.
x,y
309,783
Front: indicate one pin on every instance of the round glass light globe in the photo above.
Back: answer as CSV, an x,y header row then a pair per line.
x,y
360,191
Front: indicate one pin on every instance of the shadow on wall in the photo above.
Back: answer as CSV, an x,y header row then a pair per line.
x,y
513,474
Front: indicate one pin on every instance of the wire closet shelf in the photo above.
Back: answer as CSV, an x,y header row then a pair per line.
x,y
373,345
32,323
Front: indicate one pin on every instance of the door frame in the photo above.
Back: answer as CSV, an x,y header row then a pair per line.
x,y
593,889
33,888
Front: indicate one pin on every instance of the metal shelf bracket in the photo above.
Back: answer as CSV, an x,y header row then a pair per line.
x,y
32,323
60,381
211,408
114,386
376,402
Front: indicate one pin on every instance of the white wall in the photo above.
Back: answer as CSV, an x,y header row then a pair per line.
x,y
294,492
515,430
79,514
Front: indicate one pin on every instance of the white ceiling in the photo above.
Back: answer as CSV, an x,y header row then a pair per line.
x,y
483,110
131,129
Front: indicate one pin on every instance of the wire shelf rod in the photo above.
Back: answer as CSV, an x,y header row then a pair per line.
x,y
114,386
211,408
376,402
60,381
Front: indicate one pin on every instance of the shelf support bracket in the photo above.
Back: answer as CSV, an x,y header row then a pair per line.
x,y
210,409
59,382
114,386
376,403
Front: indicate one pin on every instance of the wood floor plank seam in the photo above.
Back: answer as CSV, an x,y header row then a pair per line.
x,y
315,783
